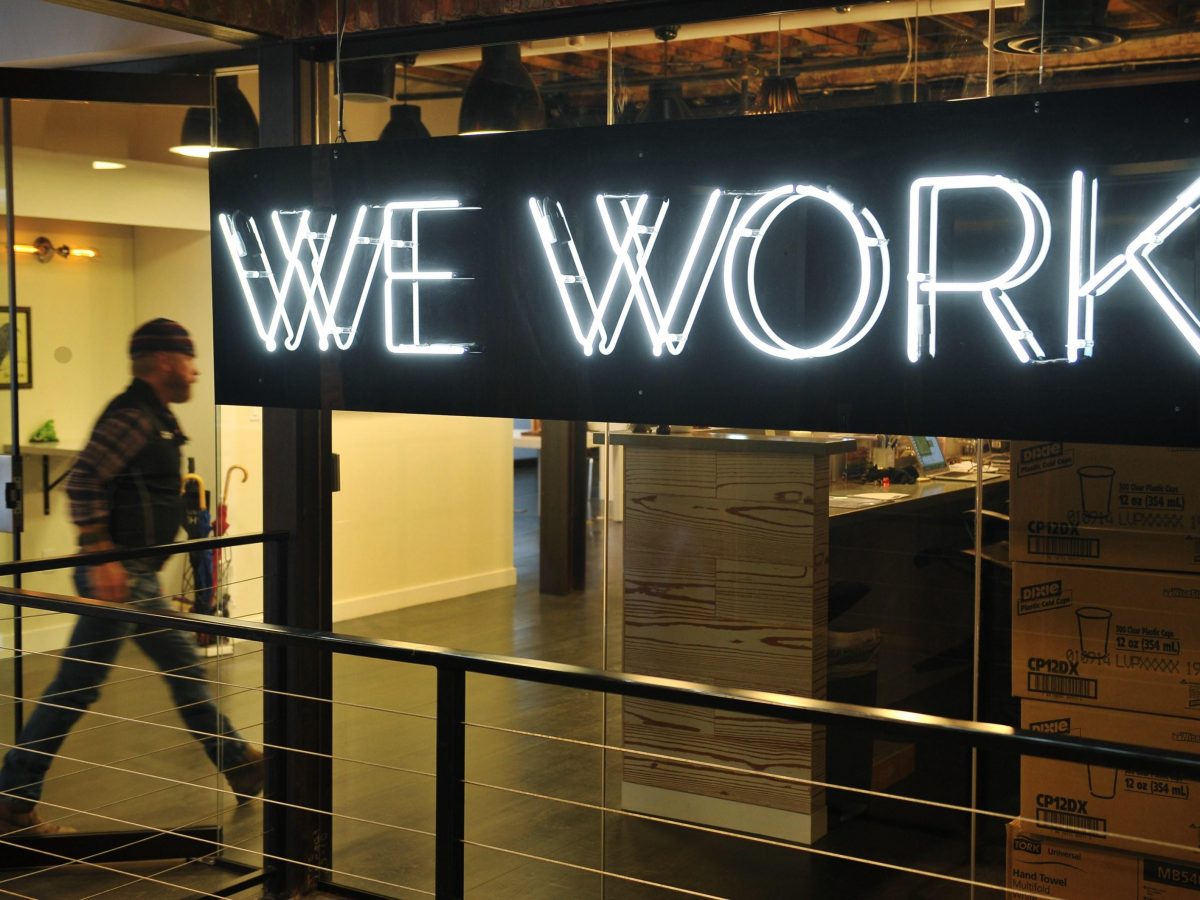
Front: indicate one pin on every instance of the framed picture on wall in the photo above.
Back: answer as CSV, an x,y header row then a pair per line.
x,y
24,346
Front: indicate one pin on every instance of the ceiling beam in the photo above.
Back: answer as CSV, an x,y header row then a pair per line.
x,y
1154,10
66,84
316,21
954,24
196,17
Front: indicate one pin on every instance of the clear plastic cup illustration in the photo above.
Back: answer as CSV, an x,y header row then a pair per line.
x,y
1094,624
1095,491
1102,782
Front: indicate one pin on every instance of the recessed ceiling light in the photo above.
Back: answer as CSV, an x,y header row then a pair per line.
x,y
198,151
105,165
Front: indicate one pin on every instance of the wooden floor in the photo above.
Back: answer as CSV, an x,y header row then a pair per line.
x,y
537,777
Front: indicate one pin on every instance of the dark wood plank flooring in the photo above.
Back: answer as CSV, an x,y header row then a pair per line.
x,y
531,796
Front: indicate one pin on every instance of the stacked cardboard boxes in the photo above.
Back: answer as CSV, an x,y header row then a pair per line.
x,y
1044,865
1105,543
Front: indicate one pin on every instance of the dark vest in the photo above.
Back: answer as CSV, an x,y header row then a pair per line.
x,y
145,503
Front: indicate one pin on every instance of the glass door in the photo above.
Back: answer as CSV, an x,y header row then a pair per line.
x,y
9,627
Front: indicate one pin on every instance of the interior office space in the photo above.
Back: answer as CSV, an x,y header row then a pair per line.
x,y
858,576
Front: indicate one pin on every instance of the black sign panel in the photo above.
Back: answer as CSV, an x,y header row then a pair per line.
x,y
1020,267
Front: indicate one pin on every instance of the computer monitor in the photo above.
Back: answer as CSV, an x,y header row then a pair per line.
x,y
930,460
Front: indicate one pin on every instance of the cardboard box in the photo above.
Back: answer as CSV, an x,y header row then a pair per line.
x,y
1042,866
1105,505
1107,637
1116,808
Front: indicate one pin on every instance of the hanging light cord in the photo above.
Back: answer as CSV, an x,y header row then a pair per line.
x,y
779,49
212,100
340,13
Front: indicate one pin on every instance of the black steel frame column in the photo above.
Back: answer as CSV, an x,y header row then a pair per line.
x,y
562,506
18,476
297,498
449,858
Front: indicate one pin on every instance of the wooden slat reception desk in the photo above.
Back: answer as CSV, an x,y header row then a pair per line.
x,y
726,544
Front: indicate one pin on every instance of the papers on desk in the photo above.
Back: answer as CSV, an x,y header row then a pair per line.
x,y
862,501
965,475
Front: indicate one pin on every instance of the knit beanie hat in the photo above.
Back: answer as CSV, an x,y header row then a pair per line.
x,y
161,334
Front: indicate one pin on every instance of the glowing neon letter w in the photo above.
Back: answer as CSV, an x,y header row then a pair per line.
x,y
285,288
631,238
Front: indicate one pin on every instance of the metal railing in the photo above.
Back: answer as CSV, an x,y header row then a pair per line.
x,y
453,666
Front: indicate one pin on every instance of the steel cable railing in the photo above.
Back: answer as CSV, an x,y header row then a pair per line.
x,y
452,668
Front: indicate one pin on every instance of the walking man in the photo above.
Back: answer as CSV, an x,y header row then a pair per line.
x,y
125,491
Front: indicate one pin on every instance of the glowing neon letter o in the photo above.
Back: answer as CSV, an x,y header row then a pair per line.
x,y
846,336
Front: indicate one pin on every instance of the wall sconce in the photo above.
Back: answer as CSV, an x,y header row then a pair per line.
x,y
43,250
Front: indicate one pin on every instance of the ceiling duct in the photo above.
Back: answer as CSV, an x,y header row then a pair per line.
x,y
1060,26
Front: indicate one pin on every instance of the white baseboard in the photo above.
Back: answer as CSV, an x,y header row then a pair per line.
x,y
801,828
42,633
370,604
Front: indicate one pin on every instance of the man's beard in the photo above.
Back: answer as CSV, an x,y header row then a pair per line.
x,y
179,389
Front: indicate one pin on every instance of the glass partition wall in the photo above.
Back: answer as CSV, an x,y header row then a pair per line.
x,y
110,230
861,578
827,565
11,683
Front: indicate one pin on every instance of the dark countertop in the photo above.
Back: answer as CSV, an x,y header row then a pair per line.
x,y
851,497
816,443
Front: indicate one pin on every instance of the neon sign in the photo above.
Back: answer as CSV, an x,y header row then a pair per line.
x,y
596,318
1136,259
1000,266
873,270
924,284
320,306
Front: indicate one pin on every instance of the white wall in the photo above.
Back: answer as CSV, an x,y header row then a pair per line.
x,y
240,436
425,510
172,279
81,314
65,186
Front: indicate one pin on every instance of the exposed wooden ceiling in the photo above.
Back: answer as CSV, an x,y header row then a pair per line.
x,y
295,19
943,55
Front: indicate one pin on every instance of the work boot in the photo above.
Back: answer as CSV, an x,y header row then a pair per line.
x,y
26,821
248,776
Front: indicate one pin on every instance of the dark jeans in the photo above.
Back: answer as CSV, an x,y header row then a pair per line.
x,y
85,665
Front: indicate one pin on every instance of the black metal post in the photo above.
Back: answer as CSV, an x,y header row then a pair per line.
x,y
562,507
297,497
275,593
297,484
451,787
18,474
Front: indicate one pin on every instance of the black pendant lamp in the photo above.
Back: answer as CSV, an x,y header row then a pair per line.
x,y
405,123
236,127
778,93
1060,26
368,80
666,103
501,96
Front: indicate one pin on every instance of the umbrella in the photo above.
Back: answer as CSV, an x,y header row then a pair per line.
x,y
221,560
197,524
